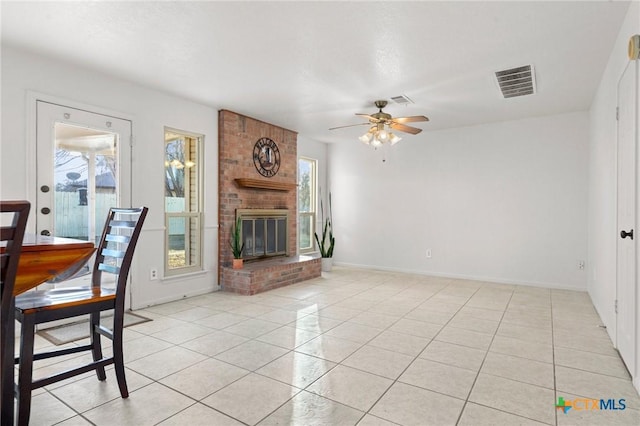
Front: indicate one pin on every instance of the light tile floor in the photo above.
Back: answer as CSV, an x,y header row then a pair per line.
x,y
357,347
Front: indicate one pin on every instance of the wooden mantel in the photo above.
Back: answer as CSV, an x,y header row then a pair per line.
x,y
265,184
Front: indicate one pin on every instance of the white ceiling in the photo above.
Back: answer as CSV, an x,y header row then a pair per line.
x,y
309,66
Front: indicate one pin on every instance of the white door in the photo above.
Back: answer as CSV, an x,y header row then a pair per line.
x,y
83,169
626,285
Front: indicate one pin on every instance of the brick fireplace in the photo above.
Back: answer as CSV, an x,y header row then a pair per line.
x,y
242,189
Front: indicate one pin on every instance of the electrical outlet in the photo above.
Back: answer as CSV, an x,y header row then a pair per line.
x,y
428,253
581,265
153,274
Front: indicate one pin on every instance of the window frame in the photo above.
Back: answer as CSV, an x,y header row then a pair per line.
x,y
195,237
310,215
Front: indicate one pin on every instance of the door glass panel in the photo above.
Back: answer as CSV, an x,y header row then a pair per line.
x,y
79,162
85,181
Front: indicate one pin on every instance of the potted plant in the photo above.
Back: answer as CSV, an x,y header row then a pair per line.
x,y
236,244
328,241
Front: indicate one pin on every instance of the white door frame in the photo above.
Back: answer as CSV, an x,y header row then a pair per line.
x,y
31,149
636,379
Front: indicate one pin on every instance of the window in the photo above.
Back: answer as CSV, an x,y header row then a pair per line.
x,y
307,183
183,214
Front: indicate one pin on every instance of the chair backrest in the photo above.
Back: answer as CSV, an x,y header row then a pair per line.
x,y
13,234
116,247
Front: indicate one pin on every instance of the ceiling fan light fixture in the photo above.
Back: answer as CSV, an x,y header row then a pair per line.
x,y
366,138
381,125
377,136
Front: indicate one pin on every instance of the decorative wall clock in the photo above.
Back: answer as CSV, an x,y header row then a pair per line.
x,y
266,157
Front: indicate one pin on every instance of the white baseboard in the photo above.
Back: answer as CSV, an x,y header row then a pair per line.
x,y
555,286
174,298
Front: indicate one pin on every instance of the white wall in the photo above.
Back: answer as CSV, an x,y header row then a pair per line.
x,y
151,111
602,181
504,202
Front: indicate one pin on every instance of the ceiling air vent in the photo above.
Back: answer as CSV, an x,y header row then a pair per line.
x,y
517,81
402,99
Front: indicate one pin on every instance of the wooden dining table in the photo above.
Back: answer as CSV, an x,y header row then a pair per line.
x,y
43,258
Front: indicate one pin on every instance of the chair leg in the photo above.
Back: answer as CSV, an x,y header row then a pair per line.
x,y
7,385
7,363
118,355
25,375
96,346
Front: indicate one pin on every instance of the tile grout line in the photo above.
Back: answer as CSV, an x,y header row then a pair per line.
x,y
466,401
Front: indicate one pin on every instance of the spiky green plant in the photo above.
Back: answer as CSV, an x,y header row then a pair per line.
x,y
236,240
328,241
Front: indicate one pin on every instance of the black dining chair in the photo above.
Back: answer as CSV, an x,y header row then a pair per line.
x,y
12,235
113,256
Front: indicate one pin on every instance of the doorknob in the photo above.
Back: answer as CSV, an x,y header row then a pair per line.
x,y
625,234
45,232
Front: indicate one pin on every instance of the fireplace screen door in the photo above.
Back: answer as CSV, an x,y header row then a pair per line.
x,y
264,233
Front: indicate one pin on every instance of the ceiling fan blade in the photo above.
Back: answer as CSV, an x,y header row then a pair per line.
x,y
403,128
350,125
410,119
367,116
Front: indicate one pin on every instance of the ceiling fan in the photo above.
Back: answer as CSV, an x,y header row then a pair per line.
x,y
377,135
